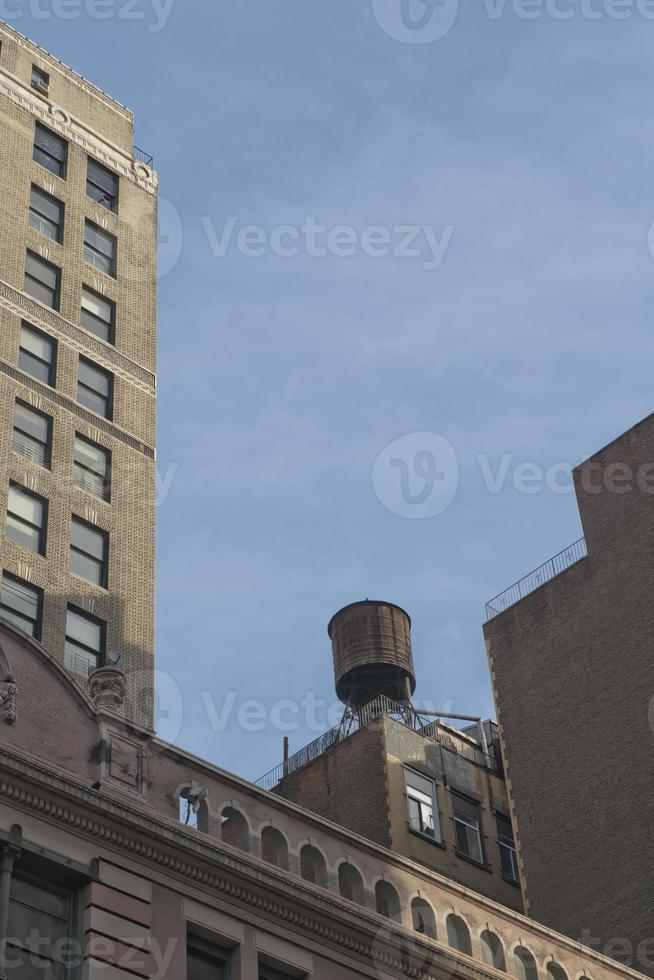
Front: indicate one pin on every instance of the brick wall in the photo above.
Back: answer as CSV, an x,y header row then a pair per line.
x,y
573,674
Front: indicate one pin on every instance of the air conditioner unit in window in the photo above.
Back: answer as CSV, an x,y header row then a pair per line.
x,y
41,85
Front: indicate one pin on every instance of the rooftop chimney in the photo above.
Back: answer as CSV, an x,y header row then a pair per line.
x,y
371,642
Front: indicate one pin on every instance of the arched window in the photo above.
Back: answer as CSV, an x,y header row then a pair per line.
x,y
350,883
193,808
312,866
387,901
235,829
458,935
274,848
556,972
492,950
525,964
424,920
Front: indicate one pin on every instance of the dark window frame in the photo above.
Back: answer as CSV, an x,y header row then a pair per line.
x,y
413,794
211,954
56,297
40,76
51,366
105,478
59,238
508,850
466,810
110,325
102,563
38,593
89,249
61,166
42,530
109,413
47,454
101,654
101,190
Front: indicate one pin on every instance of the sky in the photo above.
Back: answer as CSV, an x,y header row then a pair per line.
x,y
405,285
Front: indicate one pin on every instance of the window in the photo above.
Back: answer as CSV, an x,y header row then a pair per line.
x,y
32,435
555,971
525,964
98,314
507,848
21,604
100,249
270,973
102,185
42,280
274,848
458,934
387,901
85,642
92,468
467,824
46,214
421,802
313,866
27,516
492,950
234,829
350,883
95,388
40,80
204,961
89,552
424,920
37,354
51,151
40,928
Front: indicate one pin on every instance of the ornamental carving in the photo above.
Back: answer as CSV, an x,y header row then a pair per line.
x,y
108,688
8,700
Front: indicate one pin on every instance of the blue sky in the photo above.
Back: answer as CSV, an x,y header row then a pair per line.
x,y
525,146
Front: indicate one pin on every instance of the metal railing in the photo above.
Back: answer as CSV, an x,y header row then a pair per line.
x,y
355,719
30,448
544,573
143,157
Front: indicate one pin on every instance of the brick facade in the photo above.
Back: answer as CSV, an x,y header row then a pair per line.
x,y
96,126
573,675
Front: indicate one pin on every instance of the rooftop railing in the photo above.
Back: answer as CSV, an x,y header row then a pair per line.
x,y
544,573
355,719
143,157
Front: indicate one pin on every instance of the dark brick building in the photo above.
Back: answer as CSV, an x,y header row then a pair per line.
x,y
572,665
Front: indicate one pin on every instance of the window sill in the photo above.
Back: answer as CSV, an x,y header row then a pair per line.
x,y
511,881
470,860
427,838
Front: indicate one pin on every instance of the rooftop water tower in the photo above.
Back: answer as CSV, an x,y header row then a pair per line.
x,y
371,642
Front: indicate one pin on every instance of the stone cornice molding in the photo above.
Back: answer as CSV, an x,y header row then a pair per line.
x,y
261,886
95,421
209,863
76,131
73,76
24,306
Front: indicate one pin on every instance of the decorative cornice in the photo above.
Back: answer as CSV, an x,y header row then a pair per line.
x,y
263,887
22,305
74,130
74,76
114,431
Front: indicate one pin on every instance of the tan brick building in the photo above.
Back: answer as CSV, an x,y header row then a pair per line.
x,y
571,658
77,369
